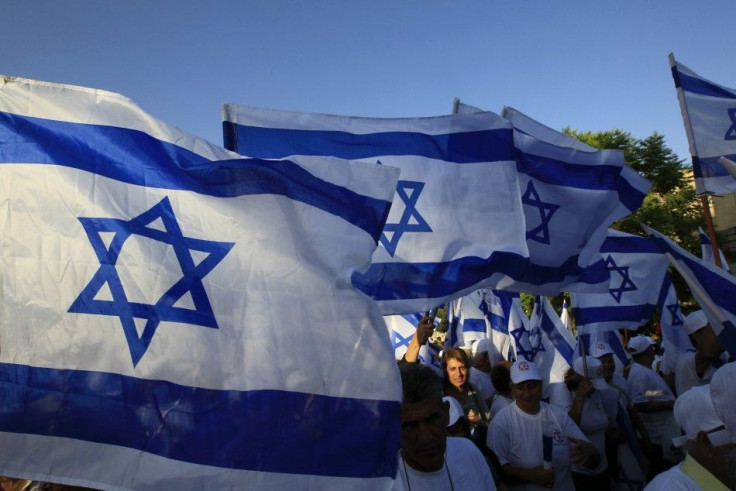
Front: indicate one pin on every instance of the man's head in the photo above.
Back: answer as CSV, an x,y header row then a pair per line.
x,y
706,437
526,386
455,363
723,396
704,337
424,418
604,353
481,355
642,349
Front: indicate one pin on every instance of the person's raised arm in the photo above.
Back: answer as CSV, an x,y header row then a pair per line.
x,y
425,328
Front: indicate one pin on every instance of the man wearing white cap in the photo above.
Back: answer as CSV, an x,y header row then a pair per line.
x,y
480,372
723,396
652,398
536,443
697,367
707,442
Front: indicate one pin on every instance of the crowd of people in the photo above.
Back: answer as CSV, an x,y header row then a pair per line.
x,y
503,426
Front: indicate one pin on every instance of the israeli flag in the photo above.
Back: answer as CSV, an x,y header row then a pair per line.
x,y
706,250
401,330
571,193
456,223
709,113
713,288
177,317
466,320
496,306
637,269
675,340
555,346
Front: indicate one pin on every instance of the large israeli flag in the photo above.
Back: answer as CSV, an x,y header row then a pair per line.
x,y
713,288
638,270
497,309
675,340
571,193
176,317
467,320
456,222
709,113
555,350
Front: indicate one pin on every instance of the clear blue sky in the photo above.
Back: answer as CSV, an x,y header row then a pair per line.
x,y
584,64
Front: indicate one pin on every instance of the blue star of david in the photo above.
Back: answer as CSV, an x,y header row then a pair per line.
x,y
731,132
540,233
409,192
626,284
675,312
398,340
164,309
632,484
521,344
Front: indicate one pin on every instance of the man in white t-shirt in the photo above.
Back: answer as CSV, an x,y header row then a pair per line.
x,y
652,398
428,459
697,367
480,372
707,441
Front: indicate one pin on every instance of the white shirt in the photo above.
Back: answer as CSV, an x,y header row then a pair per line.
x,y
685,375
499,402
465,468
516,439
645,385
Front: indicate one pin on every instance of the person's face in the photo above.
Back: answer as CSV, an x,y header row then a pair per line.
x,y
457,372
527,395
423,434
608,366
708,343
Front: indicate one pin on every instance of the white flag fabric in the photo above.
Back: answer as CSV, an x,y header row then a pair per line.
x,y
709,113
706,250
571,193
675,340
496,306
456,222
467,321
638,270
176,317
565,316
713,288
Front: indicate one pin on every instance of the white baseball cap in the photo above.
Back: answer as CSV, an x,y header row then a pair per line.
x,y
595,371
523,370
601,349
456,410
694,412
638,344
695,321
480,346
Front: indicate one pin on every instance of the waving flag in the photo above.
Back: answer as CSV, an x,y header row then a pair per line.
x,y
571,194
467,320
706,250
556,348
496,307
713,288
401,329
456,222
709,113
638,270
675,340
176,317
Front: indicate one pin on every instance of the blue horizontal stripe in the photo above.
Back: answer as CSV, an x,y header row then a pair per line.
x,y
263,430
460,148
474,325
705,167
698,85
630,196
396,281
629,245
618,313
557,340
559,173
135,157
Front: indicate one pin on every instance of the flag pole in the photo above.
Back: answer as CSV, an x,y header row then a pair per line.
x,y
455,105
693,155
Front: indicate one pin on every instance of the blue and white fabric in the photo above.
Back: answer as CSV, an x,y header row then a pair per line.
x,y
456,223
709,113
706,250
177,317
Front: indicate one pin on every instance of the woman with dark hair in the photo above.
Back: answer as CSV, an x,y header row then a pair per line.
x,y
456,366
